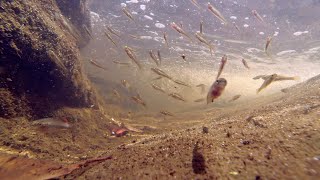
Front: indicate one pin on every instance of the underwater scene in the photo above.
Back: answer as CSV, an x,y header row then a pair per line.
x,y
159,89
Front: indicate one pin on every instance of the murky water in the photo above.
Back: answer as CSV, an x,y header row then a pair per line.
x,y
294,49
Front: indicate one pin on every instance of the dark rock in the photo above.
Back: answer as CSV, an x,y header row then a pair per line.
x,y
39,52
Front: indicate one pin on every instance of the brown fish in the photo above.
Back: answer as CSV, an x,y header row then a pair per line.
x,y
110,38
132,56
159,56
201,39
112,31
138,100
222,64
161,73
97,64
202,87
217,13
158,88
166,113
154,58
116,93
181,83
244,62
199,100
269,38
125,84
180,30
216,89
235,25
127,13
234,98
195,3
201,27
257,15
165,37
278,78
87,31
267,82
177,96
121,63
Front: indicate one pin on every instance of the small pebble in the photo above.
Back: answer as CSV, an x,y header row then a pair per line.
x,y
205,130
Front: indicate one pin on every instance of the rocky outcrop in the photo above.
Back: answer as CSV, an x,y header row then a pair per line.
x,y
40,63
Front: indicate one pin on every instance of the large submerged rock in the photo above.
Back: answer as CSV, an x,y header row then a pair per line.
x,y
40,63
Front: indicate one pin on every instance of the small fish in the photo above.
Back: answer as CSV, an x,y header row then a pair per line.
x,y
157,78
181,25
119,131
278,78
52,122
257,15
216,89
244,62
201,27
158,88
180,30
268,43
121,63
116,93
217,13
138,100
260,77
131,55
97,64
194,2
181,83
112,31
88,32
202,87
237,28
159,56
161,73
127,13
125,84
134,36
286,78
183,57
154,58
110,38
222,64
165,37
267,82
234,98
166,113
177,96
199,100
201,39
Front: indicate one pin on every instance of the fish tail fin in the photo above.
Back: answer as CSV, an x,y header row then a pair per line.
x,y
296,78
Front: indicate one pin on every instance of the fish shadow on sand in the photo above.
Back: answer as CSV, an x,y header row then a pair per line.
x,y
198,161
